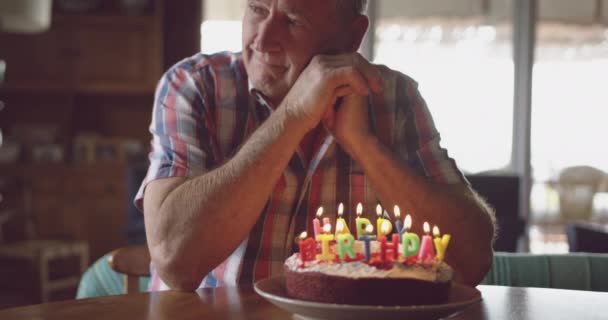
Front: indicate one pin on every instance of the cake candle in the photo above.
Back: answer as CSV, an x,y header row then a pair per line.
x,y
410,242
316,224
397,213
426,247
307,248
367,238
341,226
385,246
361,223
441,243
325,238
380,223
346,245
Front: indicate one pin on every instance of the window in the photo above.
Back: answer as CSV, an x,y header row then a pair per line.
x,y
221,27
569,113
460,53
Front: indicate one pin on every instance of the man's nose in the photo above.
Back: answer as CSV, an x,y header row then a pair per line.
x,y
269,35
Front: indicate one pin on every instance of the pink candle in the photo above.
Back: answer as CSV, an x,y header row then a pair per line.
x,y
316,224
426,246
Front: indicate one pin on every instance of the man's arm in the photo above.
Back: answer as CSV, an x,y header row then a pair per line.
x,y
454,208
193,225
186,218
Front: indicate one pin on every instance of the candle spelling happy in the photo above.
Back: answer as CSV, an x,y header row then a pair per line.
x,y
380,222
341,225
316,224
361,223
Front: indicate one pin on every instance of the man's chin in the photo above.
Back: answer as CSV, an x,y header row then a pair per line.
x,y
271,90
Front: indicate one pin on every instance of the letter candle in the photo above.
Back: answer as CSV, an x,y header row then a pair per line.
x,y
410,242
307,248
397,213
369,229
379,223
316,224
441,244
341,226
426,247
384,246
325,238
346,245
361,223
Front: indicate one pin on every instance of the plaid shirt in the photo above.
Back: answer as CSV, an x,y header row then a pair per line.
x,y
204,110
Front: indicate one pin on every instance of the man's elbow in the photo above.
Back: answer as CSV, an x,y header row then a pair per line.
x,y
176,272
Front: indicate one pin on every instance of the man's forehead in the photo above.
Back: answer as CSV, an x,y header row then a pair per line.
x,y
303,7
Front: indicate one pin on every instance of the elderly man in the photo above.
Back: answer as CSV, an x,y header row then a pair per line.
x,y
247,146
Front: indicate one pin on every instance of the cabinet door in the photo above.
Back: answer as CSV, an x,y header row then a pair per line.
x,y
117,58
37,61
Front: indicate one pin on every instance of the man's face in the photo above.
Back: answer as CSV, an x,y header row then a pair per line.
x,y
280,37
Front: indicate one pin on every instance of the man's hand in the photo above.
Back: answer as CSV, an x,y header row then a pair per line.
x,y
349,121
324,80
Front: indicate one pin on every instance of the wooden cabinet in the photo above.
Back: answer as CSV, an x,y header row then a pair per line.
x,y
37,61
108,53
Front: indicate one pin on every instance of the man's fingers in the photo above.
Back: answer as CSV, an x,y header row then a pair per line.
x,y
369,72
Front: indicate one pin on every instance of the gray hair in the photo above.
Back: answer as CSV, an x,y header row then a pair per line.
x,y
354,7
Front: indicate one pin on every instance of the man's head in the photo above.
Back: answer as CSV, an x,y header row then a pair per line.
x,y
280,37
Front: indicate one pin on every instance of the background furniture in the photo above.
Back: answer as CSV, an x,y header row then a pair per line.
x,y
585,237
502,193
29,263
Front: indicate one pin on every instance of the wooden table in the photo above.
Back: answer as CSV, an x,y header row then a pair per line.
x,y
243,303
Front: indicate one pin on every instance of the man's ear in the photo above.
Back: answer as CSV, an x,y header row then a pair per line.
x,y
358,27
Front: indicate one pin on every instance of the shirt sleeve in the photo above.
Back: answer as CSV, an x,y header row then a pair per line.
x,y
181,140
423,139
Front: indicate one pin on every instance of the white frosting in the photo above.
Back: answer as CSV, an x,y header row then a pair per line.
x,y
357,269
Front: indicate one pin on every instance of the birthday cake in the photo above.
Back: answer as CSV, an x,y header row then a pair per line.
x,y
336,268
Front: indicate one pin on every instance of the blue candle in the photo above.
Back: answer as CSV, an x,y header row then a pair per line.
x,y
367,239
398,221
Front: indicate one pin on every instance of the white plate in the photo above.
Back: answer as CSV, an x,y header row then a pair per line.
x,y
273,290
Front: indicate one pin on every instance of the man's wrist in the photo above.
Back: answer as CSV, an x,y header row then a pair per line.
x,y
361,147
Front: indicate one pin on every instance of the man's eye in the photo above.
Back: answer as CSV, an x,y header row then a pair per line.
x,y
294,22
257,9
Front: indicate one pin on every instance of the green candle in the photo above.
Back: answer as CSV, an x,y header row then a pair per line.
x,y
346,245
411,244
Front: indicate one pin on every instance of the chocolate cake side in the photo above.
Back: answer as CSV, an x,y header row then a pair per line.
x,y
319,287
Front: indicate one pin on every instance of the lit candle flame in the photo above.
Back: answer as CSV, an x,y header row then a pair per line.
x,y
339,226
327,228
340,209
426,227
319,212
385,226
359,209
369,228
303,235
408,222
397,211
379,210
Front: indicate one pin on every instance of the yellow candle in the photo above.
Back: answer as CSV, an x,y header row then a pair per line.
x,y
361,223
341,225
325,238
383,226
441,244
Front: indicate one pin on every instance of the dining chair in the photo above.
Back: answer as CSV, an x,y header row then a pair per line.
x,y
132,262
31,257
